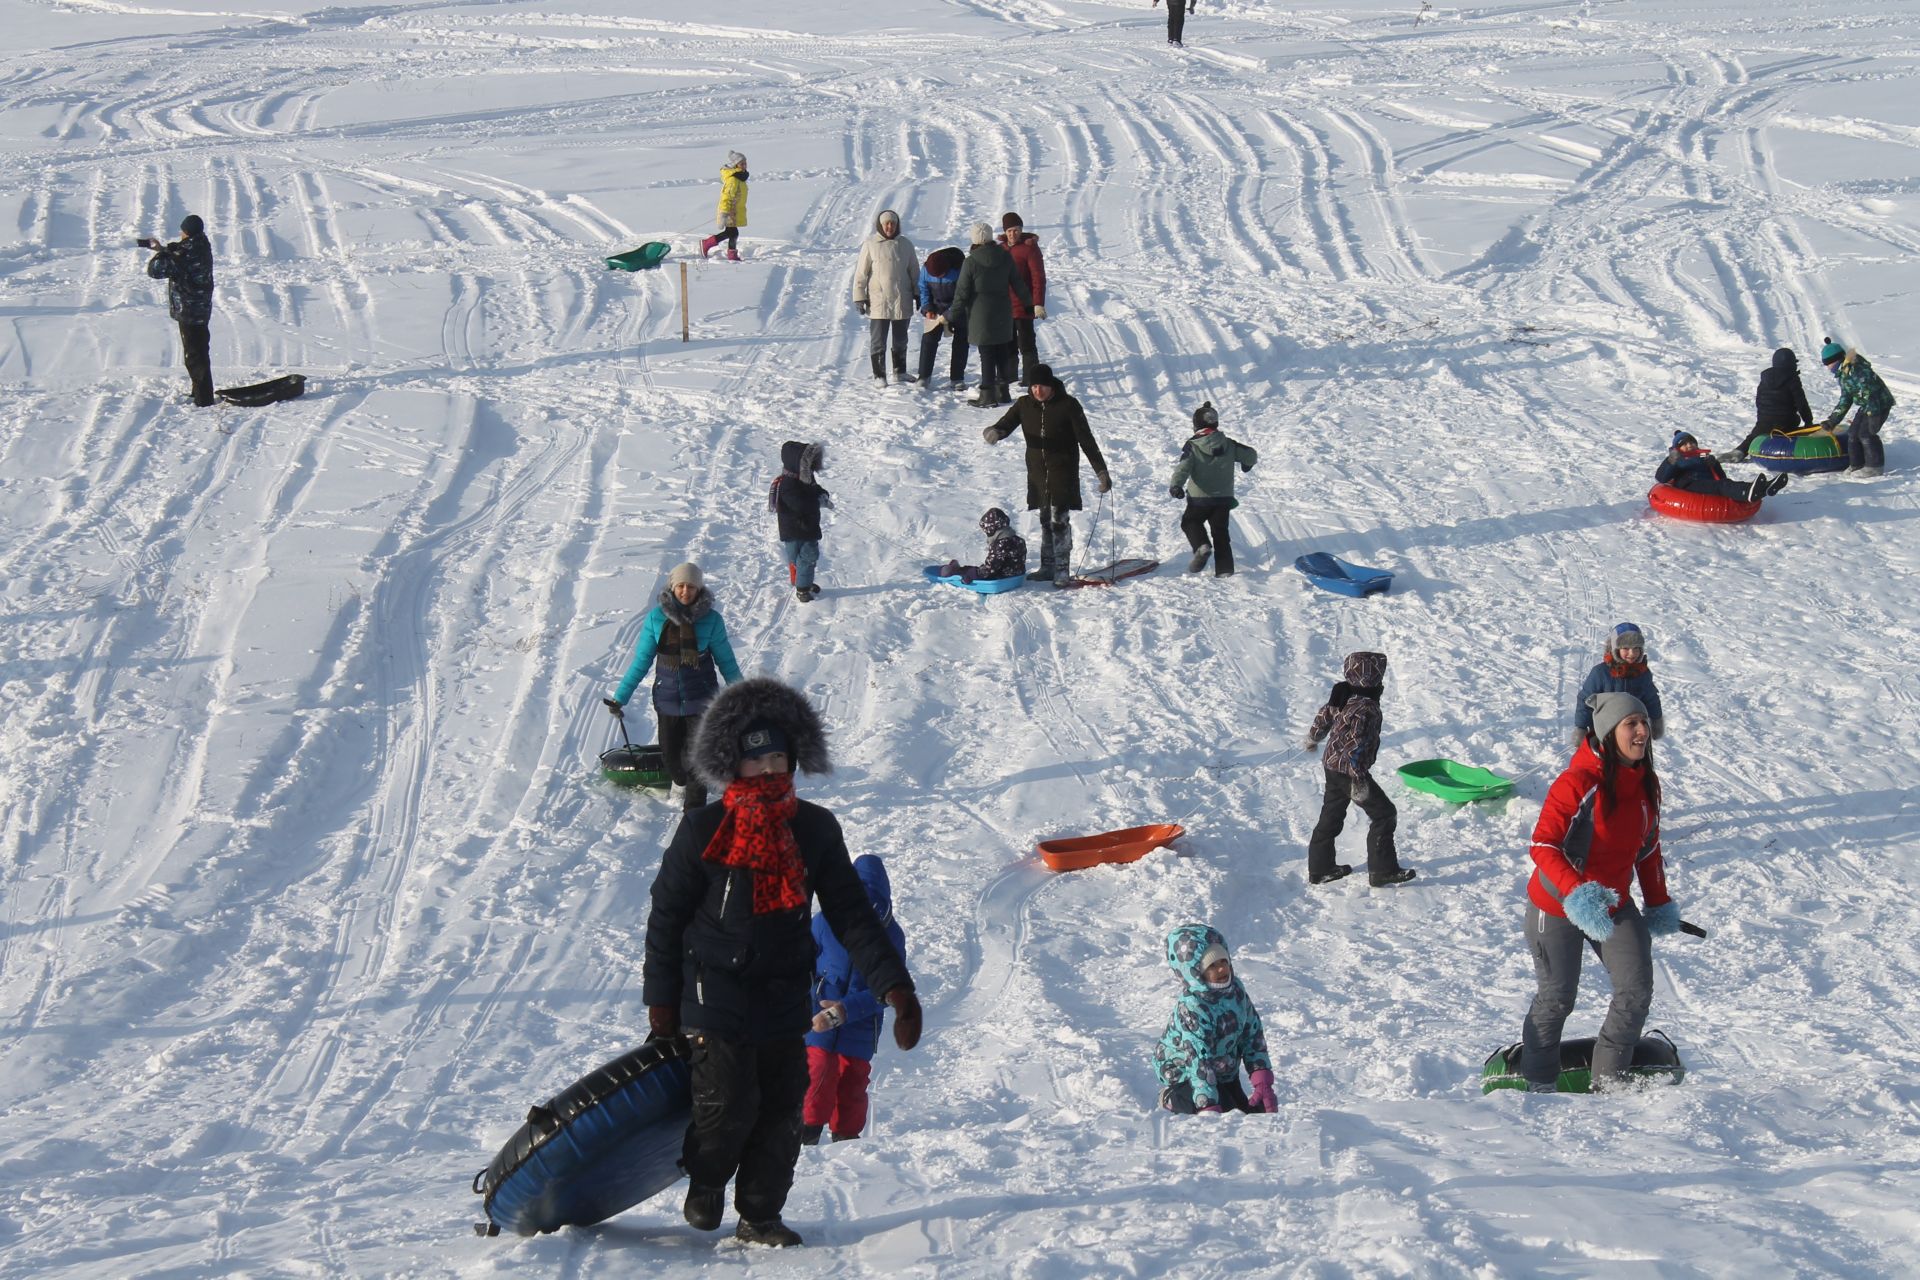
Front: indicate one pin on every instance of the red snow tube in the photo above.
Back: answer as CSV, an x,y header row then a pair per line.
x,y
1707,508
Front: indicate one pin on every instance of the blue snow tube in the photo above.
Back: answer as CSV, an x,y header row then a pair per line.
x,y
605,1143
985,586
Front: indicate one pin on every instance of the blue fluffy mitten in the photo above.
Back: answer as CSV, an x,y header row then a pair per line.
x,y
1590,908
1663,919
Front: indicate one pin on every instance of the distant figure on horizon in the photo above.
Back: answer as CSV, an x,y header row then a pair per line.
x,y
187,267
732,212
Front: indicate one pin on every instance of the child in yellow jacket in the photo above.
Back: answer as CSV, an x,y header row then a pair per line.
x,y
732,213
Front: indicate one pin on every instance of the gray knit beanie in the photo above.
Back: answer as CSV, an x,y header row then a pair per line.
x,y
687,573
981,233
1609,709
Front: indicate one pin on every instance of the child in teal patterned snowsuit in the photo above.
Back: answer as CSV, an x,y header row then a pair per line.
x,y
1213,1030
1861,390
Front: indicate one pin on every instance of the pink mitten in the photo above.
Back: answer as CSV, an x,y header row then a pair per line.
x,y
1263,1096
1213,1110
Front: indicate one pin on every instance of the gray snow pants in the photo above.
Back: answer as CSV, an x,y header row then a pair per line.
x,y
1556,947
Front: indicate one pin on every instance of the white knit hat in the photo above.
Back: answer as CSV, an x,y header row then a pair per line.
x,y
981,233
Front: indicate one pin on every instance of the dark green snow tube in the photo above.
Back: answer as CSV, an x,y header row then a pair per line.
x,y
1654,1058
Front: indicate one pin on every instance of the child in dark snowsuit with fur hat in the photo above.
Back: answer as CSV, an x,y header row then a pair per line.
x,y
1350,722
797,497
1006,552
846,1031
1204,477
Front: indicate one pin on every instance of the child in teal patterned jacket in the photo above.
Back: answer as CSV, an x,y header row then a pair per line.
x,y
1213,1030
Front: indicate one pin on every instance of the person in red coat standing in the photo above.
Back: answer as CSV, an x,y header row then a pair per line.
x,y
1599,830
1032,267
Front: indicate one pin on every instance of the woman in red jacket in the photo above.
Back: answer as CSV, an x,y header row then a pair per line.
x,y
1598,831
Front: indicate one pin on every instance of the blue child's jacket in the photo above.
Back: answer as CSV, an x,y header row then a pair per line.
x,y
836,978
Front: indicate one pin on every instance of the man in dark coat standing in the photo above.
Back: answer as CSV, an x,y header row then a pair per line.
x,y
1057,432
1029,263
187,267
730,952
983,310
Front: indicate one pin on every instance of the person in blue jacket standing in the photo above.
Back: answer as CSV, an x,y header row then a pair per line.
x,y
683,639
847,1029
1622,669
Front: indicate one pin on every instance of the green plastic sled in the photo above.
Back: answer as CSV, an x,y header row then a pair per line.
x,y
1654,1058
645,258
631,766
1455,782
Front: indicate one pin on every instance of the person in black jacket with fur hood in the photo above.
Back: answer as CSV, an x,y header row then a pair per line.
x,y
1779,404
730,952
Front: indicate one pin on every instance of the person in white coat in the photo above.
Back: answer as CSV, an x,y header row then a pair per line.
x,y
885,285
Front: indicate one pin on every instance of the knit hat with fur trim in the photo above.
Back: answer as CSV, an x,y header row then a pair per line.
x,y
756,703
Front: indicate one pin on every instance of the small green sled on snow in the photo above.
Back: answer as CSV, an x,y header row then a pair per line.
x,y
1654,1058
645,258
1455,782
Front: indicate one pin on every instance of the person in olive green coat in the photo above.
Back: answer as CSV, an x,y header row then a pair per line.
x,y
1057,433
1204,477
983,310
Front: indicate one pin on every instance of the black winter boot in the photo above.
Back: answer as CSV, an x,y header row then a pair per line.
x,y
773,1233
989,396
1200,557
810,1134
1386,878
880,368
705,1206
1338,871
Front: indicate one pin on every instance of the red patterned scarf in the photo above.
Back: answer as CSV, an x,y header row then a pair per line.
x,y
1621,670
756,834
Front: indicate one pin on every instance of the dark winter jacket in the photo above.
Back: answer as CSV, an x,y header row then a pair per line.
x,y
797,497
1780,403
186,265
1211,1032
1350,720
1006,550
982,301
686,641
1584,836
1055,429
1637,681
1031,266
939,276
836,978
747,977
1859,385
1688,462
1207,462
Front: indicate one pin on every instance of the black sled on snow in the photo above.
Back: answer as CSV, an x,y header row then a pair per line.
x,y
272,391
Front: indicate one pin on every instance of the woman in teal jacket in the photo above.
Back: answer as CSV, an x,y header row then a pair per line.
x,y
682,638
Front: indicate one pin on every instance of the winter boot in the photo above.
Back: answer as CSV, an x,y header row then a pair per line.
x,y
1758,489
704,1206
1867,472
810,1134
989,396
773,1233
706,246
803,595
733,254
1780,482
879,368
845,1137
813,591
1201,555
1338,871
1385,878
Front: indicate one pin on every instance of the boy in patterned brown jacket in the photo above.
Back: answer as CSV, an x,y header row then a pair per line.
x,y
1350,722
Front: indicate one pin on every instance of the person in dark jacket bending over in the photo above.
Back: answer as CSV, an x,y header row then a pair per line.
x,y
1779,404
1056,429
730,951
187,267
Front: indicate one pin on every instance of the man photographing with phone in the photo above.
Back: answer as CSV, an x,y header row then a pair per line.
x,y
187,266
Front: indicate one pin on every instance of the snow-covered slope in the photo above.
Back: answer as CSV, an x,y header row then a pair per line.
x,y
308,889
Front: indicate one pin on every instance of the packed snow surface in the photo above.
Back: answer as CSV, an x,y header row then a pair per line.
x,y
309,888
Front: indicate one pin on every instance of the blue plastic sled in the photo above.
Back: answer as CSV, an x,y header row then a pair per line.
x,y
985,586
1341,578
609,1141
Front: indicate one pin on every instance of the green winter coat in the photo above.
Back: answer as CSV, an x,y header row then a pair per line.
x,y
1207,462
982,306
1859,385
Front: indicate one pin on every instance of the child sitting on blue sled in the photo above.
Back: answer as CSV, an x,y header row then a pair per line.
x,y
1213,1030
1688,466
1006,552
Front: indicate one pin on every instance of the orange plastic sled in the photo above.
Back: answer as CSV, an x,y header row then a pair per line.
x,y
1130,845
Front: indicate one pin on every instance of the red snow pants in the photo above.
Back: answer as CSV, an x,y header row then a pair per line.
x,y
837,1093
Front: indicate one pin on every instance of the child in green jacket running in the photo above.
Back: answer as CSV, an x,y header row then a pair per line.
x,y
1204,477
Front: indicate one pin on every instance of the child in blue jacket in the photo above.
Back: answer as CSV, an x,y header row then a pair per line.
x,y
1622,669
1213,1030
683,639
796,498
939,276
847,1028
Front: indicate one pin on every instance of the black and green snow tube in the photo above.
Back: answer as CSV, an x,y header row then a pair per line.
x,y
1654,1058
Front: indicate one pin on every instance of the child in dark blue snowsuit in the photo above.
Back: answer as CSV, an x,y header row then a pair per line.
x,y
847,1028
796,498
1622,669
1688,466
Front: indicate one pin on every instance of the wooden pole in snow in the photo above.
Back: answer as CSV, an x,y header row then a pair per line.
x,y
683,302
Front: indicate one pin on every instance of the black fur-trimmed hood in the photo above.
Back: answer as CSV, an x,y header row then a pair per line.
x,y
716,748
